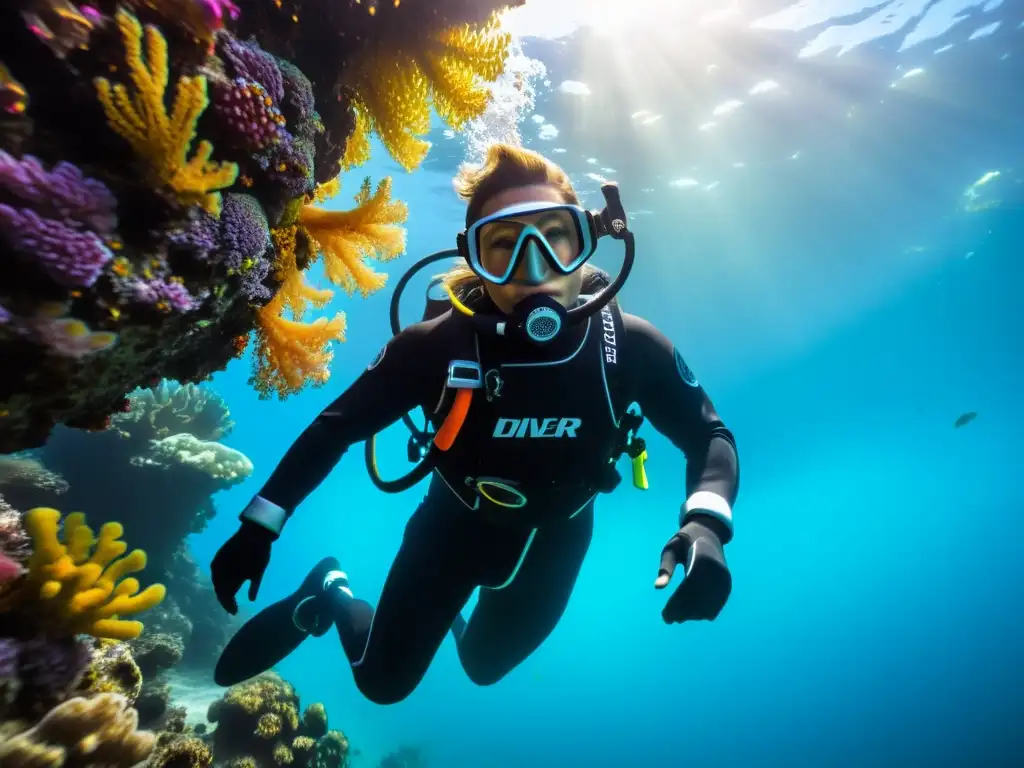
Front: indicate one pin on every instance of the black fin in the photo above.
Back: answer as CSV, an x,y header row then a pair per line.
x,y
270,635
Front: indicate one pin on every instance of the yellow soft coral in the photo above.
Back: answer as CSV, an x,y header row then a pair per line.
x,y
295,292
80,583
290,354
160,139
393,89
346,239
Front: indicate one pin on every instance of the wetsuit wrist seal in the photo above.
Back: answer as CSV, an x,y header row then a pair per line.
x,y
265,514
707,503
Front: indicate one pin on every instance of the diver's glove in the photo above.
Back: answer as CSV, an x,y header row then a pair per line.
x,y
707,583
243,557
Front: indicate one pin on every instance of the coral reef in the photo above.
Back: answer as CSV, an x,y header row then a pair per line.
x,y
37,673
258,725
160,458
81,732
78,585
26,483
155,470
112,669
159,172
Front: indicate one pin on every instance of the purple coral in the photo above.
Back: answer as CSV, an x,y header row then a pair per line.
x,y
289,165
47,670
298,97
250,62
245,240
248,113
73,258
245,233
63,193
168,294
199,236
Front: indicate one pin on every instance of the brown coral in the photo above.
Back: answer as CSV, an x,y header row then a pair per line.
x,y
315,720
100,731
182,752
112,669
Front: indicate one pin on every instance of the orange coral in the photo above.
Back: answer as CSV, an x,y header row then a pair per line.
x,y
290,354
294,292
346,239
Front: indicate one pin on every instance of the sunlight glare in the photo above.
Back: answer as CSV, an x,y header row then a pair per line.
x,y
554,19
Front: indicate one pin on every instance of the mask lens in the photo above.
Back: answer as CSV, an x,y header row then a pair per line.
x,y
559,228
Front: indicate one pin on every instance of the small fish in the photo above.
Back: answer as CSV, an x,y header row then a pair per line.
x,y
964,419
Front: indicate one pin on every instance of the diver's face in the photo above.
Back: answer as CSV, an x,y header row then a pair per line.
x,y
565,289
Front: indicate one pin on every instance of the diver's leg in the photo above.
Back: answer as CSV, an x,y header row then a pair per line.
x,y
510,621
445,554
273,633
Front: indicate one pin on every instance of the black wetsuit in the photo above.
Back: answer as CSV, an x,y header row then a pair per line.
x,y
549,428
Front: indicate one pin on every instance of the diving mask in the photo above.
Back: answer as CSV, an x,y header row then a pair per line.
x,y
527,243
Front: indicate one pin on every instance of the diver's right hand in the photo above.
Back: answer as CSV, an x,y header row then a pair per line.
x,y
243,557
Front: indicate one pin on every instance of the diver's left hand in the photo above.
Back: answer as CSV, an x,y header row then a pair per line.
x,y
707,583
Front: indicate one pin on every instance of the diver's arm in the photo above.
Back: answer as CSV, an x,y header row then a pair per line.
x,y
679,408
394,384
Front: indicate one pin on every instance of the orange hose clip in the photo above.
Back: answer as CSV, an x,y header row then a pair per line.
x,y
453,422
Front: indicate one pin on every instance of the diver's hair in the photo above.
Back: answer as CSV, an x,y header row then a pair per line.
x,y
507,166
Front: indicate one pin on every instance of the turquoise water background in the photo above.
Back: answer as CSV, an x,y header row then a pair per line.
x,y
842,310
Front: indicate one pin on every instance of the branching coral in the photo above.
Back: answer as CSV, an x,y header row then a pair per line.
x,y
394,88
160,139
346,239
81,732
291,354
79,585
295,291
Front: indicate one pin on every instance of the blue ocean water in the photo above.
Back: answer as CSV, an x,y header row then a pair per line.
x,y
797,177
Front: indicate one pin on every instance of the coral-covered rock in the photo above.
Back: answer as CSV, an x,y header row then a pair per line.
x,y
156,652
258,725
153,701
331,751
315,720
182,752
37,673
25,483
104,285
112,670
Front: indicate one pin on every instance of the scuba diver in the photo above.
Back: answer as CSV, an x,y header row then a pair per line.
x,y
533,384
